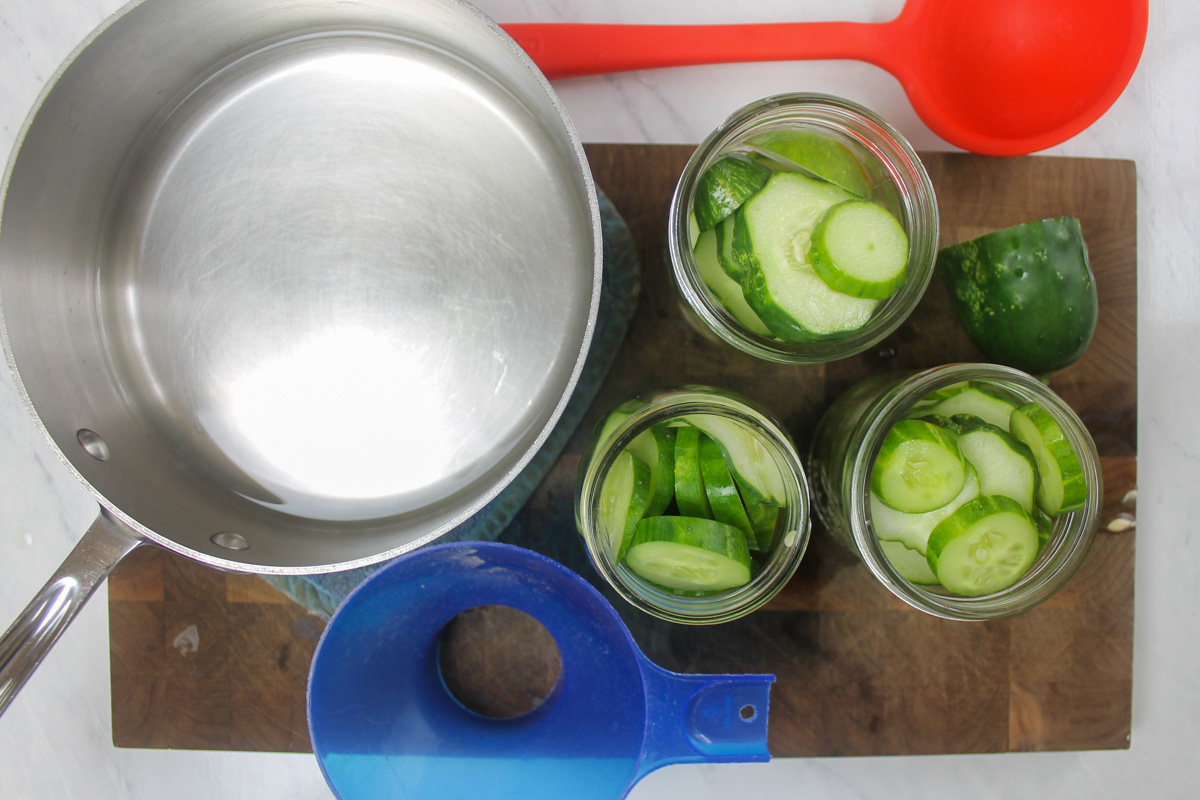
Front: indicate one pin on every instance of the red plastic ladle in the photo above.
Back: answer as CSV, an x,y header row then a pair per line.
x,y
1000,77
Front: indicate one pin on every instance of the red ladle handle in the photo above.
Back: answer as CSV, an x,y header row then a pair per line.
x,y
564,50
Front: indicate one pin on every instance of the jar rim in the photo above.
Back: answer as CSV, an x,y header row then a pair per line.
x,y
896,157
671,403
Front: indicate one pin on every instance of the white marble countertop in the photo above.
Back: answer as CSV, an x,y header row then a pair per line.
x,y
55,740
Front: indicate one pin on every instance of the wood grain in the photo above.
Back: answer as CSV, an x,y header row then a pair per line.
x,y
204,659
857,671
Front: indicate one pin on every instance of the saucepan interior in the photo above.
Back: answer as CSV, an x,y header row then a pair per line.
x,y
294,286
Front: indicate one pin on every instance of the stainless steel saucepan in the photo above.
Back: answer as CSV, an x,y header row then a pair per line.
x,y
291,286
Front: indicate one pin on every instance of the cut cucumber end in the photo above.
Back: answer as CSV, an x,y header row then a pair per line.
x,y
724,186
816,153
1025,295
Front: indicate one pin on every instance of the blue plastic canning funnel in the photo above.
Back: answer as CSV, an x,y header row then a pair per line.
x,y
384,725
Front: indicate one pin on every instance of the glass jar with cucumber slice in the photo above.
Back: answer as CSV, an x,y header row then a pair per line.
x,y
692,503
970,491
804,229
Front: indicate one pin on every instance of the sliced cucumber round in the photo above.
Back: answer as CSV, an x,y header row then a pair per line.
x,y
689,554
623,500
725,231
1005,465
656,447
919,467
1062,485
967,398
690,496
730,181
983,547
771,238
860,249
753,467
910,564
723,496
727,291
912,530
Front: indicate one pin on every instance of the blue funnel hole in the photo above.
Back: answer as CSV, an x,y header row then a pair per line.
x,y
498,662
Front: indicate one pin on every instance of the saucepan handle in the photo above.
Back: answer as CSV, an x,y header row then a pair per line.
x,y
27,640
704,718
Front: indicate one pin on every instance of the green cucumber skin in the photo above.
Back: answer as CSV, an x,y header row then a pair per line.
x,y
725,257
634,505
764,519
690,496
663,483
1045,527
1074,483
1025,295
662,467
724,499
724,186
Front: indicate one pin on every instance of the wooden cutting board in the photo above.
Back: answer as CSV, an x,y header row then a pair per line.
x,y
204,659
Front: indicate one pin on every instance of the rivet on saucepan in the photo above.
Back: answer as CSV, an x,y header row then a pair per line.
x,y
230,541
92,443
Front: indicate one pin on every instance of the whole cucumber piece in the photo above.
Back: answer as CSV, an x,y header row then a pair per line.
x,y
1025,295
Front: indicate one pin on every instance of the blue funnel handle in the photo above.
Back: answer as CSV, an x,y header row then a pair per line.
x,y
703,718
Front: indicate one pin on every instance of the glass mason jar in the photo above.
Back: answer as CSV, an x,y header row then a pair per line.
x,y
769,571
896,178
848,439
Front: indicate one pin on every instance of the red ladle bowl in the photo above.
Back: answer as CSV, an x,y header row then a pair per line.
x,y
1000,78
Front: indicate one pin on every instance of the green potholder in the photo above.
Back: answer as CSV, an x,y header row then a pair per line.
x,y
321,594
